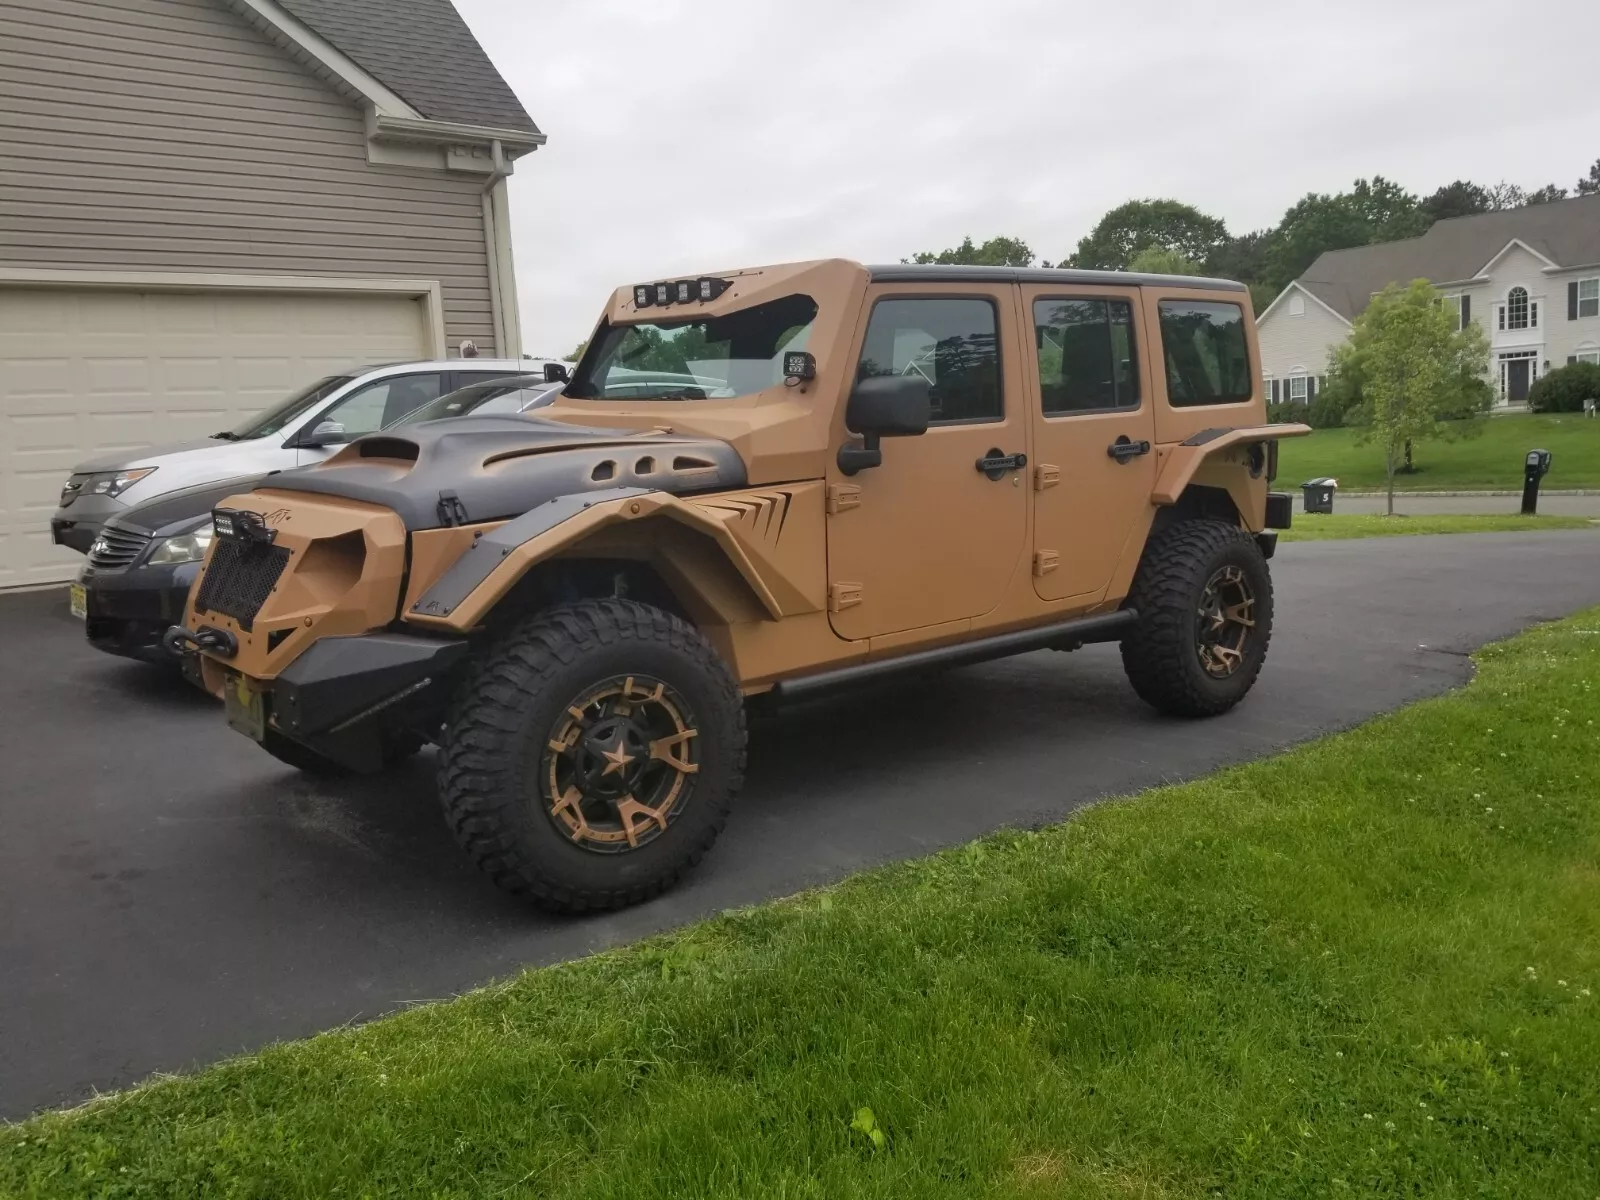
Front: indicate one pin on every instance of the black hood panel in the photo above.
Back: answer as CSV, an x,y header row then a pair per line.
x,y
469,469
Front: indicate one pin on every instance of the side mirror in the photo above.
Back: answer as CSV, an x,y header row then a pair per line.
x,y
327,433
556,373
883,406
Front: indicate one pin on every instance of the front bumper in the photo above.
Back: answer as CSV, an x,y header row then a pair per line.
x,y
131,608
79,523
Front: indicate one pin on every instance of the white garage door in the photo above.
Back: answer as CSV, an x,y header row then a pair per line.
x,y
85,372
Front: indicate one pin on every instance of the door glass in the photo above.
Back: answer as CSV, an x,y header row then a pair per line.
x,y
369,409
1208,360
1086,355
949,342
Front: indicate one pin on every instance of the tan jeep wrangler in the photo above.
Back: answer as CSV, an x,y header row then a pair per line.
x,y
777,481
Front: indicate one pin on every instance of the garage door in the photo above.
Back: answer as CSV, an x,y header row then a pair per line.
x,y
89,372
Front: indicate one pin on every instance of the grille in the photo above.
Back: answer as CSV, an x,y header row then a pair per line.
x,y
114,549
239,578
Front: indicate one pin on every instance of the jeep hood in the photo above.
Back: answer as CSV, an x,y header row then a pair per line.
x,y
470,469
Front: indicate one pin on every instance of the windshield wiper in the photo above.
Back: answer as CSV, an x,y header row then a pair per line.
x,y
683,393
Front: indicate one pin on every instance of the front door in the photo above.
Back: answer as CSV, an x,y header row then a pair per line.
x,y
927,537
1094,432
1517,380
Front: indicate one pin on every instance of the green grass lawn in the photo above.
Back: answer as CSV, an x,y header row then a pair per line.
x,y
1321,527
1371,965
1487,462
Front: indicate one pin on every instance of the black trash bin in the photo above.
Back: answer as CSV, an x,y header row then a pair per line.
x,y
1318,495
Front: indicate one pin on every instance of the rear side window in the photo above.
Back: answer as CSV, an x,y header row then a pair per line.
x,y
949,342
1208,359
1086,355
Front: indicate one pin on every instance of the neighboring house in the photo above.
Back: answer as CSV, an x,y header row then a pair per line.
x,y
206,204
1530,276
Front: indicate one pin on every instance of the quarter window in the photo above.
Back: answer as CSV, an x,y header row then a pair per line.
x,y
1086,355
1207,356
949,342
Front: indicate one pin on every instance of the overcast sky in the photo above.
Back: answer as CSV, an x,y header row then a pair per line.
x,y
690,136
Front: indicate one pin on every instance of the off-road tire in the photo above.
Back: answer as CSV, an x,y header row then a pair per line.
x,y
1161,656
396,750
497,732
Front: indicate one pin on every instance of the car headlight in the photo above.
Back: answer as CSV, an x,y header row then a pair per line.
x,y
186,547
109,483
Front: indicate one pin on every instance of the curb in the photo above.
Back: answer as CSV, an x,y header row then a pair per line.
x,y
1353,494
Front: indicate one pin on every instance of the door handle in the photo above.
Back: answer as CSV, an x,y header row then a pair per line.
x,y
1124,449
995,464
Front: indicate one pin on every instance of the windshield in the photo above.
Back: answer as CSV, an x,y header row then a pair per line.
x,y
267,423
696,358
484,399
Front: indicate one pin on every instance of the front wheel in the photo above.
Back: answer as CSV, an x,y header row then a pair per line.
x,y
592,755
1204,599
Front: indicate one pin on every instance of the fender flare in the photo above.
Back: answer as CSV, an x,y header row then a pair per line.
x,y
1180,462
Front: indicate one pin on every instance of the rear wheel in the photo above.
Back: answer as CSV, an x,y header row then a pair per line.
x,y
1204,599
592,756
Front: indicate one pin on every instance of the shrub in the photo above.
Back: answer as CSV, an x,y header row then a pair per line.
x,y
1566,388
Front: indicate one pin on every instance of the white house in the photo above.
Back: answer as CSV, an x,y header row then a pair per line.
x,y
1530,276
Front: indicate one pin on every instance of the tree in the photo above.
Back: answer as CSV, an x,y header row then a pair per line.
x,y
1157,260
1545,195
1409,374
1589,185
577,351
1505,195
1375,210
996,252
1458,199
1140,224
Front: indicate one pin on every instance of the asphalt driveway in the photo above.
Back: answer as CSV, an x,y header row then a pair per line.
x,y
170,895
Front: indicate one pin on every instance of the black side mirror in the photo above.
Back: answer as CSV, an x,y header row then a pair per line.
x,y
556,373
883,406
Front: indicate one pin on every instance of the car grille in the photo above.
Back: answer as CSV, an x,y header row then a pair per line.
x,y
239,578
114,549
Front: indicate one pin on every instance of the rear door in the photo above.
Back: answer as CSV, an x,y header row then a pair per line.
x,y
1089,398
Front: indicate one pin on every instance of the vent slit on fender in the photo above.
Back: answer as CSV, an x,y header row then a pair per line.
x,y
603,471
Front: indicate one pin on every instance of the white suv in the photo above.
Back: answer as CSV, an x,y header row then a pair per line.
x,y
304,429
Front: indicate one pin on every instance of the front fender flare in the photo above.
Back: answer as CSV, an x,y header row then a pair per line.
x,y
1180,462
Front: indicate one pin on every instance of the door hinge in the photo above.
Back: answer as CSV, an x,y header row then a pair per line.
x,y
842,496
843,595
1045,561
1045,476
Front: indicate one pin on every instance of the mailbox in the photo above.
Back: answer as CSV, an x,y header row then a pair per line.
x,y
1535,466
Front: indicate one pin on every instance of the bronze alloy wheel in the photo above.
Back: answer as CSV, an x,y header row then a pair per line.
x,y
620,763
1226,621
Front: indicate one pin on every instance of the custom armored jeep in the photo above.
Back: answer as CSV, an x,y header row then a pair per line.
x,y
759,485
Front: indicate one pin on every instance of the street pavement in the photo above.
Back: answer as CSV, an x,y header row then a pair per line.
x,y
171,895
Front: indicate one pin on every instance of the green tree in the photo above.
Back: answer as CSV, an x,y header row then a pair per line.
x,y
1140,224
1375,210
1158,260
1458,199
996,252
577,351
1409,375
1589,185
1545,195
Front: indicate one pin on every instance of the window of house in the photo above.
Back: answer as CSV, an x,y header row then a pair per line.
x,y
1589,297
1297,388
1460,308
1086,355
1587,356
951,343
1207,355
1297,305
1516,310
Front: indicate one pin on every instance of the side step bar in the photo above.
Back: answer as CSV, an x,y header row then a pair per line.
x,y
1065,635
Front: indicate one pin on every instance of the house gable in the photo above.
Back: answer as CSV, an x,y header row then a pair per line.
x,y
1296,339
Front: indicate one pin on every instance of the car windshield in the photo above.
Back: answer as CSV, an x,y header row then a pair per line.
x,y
265,424
695,358
484,399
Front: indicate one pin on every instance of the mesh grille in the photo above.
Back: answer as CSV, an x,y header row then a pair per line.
x,y
239,578
114,549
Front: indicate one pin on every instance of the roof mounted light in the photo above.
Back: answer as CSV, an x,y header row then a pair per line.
x,y
663,293
643,295
710,289
686,291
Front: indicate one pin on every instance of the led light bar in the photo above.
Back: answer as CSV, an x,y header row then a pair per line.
x,y
679,291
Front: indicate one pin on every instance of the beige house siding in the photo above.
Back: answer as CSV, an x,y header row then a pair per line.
x,y
168,135
1293,344
1570,337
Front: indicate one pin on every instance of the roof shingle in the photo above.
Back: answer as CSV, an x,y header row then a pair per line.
x,y
1566,231
422,51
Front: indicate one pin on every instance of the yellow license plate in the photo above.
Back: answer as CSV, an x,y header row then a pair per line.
x,y
78,601
247,708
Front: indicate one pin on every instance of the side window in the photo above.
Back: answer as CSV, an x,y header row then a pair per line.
x,y
1208,358
379,404
951,343
464,378
1086,355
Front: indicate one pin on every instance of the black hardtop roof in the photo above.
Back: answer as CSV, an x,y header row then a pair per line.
x,y
937,273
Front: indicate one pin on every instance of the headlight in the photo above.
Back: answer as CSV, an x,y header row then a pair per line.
x,y
111,483
186,547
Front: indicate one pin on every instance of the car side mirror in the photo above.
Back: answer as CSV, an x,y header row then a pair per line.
x,y
556,373
883,406
327,433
